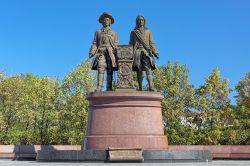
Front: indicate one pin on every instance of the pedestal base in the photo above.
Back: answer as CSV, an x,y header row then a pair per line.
x,y
126,141
125,120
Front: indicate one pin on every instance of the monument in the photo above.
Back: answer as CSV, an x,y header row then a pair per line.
x,y
126,118
122,121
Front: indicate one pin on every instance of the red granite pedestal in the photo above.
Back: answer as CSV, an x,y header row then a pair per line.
x,y
125,120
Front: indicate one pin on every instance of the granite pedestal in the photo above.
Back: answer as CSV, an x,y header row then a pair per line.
x,y
125,120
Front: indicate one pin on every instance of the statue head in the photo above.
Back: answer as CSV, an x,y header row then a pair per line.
x,y
106,19
140,21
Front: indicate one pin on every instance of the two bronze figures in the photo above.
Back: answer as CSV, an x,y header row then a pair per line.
x,y
105,45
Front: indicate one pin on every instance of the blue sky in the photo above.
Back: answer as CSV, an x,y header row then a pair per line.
x,y
50,37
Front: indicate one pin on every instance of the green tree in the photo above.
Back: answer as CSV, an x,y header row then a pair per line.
x,y
36,110
9,93
242,111
172,81
73,115
81,78
243,97
27,109
215,106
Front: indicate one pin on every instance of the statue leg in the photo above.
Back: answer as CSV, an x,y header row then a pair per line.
x,y
150,79
101,68
100,81
140,79
109,80
109,72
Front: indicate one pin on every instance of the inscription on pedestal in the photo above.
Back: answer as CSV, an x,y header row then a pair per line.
x,y
116,154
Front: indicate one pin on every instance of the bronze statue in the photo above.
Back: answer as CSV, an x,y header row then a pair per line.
x,y
143,48
104,47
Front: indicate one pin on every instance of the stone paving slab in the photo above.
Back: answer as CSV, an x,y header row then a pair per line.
x,y
213,163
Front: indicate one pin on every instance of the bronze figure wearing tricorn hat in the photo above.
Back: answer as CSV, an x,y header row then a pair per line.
x,y
104,46
106,14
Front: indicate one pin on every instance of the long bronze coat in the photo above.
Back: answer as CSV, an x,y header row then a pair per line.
x,y
97,47
142,38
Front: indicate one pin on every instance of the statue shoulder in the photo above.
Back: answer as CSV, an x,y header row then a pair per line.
x,y
98,31
112,32
132,32
147,30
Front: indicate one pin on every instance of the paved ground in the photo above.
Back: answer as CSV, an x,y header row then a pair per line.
x,y
213,163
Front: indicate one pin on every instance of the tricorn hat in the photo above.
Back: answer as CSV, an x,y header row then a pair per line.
x,y
105,14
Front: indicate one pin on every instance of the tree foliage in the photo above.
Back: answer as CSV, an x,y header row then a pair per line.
x,y
242,110
27,109
214,103
36,110
73,114
172,81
